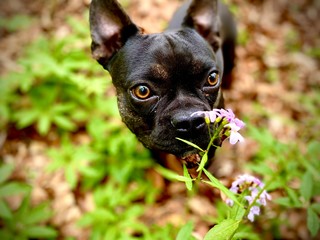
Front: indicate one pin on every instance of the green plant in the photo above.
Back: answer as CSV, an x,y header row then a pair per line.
x,y
114,210
16,22
54,86
271,161
26,221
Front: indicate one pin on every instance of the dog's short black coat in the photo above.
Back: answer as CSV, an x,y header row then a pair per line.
x,y
161,79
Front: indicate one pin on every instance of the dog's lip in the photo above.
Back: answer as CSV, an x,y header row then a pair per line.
x,y
191,159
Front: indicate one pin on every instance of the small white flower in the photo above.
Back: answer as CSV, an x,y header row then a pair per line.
x,y
234,135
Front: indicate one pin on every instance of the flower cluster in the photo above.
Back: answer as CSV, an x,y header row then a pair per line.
x,y
228,119
256,195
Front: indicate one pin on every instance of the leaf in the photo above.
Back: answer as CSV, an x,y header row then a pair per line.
x,y
217,184
313,222
171,175
5,172
293,197
38,214
187,175
185,232
203,162
5,211
64,122
306,186
25,118
237,212
6,234
316,207
191,144
43,125
284,201
99,215
222,231
71,176
13,188
40,232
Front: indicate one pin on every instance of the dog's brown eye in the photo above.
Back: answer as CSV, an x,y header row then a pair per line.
x,y
141,92
213,78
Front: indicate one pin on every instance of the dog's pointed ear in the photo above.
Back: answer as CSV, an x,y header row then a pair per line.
x,y
110,28
202,16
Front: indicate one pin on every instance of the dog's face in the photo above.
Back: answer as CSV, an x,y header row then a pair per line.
x,y
160,79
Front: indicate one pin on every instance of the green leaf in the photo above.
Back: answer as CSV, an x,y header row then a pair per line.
x,y
171,175
38,214
292,194
203,162
237,212
13,188
217,184
223,231
64,122
71,175
5,172
185,232
191,144
40,232
284,201
43,125
306,186
5,211
187,175
313,222
25,118
23,211
316,207
6,234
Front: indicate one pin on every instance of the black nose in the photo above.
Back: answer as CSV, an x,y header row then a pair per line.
x,y
186,123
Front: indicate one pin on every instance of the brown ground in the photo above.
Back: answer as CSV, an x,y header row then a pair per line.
x,y
269,27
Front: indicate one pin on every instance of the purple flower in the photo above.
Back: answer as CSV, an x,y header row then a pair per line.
x,y
228,114
231,124
254,210
211,115
255,198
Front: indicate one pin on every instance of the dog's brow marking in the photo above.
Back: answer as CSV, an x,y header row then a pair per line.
x,y
160,70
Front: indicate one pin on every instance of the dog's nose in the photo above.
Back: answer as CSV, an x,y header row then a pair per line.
x,y
185,123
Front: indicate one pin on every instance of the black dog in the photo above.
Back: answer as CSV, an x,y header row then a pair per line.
x,y
161,79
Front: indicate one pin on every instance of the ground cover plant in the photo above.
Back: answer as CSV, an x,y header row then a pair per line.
x,y
71,170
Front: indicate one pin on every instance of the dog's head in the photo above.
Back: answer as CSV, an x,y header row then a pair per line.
x,y
161,79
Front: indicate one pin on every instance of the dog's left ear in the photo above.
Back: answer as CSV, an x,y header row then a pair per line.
x,y
202,16
110,28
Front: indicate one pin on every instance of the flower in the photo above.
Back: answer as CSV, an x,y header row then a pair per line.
x,y
254,210
234,135
211,115
256,195
231,124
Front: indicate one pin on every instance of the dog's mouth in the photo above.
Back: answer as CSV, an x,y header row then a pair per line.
x,y
191,160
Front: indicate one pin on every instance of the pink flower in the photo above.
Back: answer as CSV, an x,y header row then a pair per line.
x,y
230,122
253,186
211,115
254,210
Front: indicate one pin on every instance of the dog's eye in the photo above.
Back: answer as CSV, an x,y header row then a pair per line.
x,y
213,78
141,92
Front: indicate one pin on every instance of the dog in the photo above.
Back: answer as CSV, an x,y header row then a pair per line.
x,y
162,78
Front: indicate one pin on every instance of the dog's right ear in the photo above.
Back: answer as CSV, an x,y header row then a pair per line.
x,y
110,28
202,15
